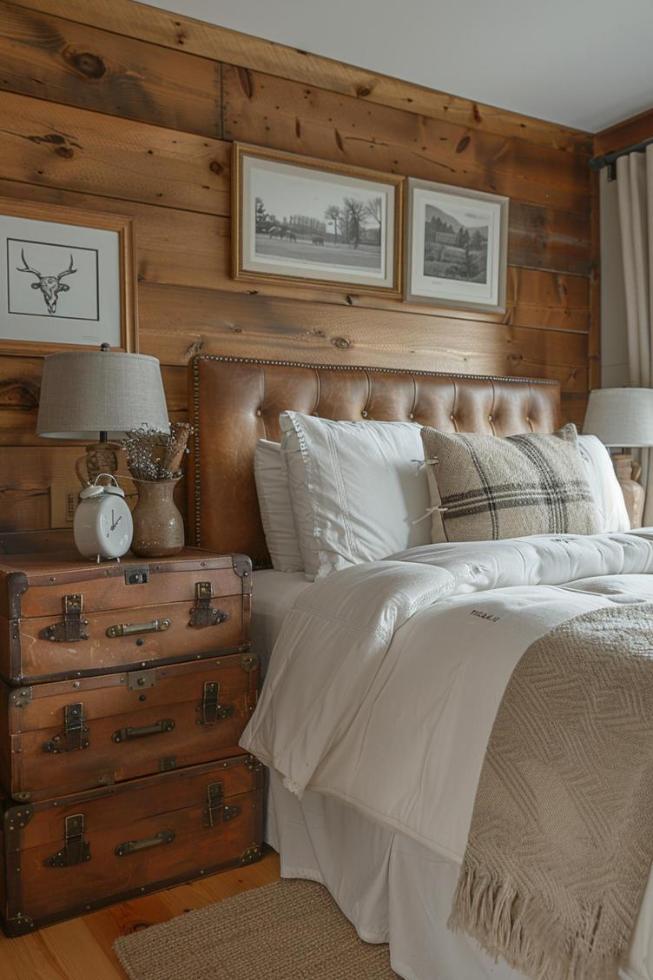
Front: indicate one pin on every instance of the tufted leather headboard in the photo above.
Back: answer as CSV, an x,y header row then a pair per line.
x,y
236,401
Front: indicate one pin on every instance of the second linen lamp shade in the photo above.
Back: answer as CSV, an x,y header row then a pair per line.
x,y
621,417
84,393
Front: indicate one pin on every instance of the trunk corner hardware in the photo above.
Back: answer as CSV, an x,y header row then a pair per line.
x,y
252,854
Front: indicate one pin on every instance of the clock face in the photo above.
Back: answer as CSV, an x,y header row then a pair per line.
x,y
115,526
103,526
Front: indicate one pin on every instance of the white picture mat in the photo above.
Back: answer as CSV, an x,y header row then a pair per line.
x,y
488,209
89,312
256,171
490,214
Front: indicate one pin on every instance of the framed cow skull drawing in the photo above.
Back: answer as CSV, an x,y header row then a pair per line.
x,y
66,279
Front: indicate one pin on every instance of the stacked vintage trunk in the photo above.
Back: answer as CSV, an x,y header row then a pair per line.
x,y
125,689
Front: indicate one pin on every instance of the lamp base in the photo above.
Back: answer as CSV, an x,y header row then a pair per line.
x,y
628,471
101,457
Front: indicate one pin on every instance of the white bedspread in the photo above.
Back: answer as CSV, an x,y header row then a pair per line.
x,y
386,677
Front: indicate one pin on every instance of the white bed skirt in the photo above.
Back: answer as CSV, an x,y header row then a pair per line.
x,y
393,889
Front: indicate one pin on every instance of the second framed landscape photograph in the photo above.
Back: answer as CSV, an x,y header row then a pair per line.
x,y
456,247
300,219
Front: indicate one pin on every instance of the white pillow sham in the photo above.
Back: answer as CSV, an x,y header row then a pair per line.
x,y
359,490
603,482
271,476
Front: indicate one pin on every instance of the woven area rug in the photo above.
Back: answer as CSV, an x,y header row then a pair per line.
x,y
288,930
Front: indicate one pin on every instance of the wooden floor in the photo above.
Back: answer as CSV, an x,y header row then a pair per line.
x,y
82,948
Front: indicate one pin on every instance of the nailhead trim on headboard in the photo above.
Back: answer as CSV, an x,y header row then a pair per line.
x,y
316,367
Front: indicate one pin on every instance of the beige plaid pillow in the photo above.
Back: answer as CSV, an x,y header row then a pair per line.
x,y
491,487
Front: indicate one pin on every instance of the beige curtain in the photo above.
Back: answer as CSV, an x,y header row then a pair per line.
x,y
635,193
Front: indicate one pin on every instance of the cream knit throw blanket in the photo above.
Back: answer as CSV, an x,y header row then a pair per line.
x,y
561,840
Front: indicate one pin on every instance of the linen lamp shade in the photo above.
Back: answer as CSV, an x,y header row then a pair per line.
x,y
621,417
85,393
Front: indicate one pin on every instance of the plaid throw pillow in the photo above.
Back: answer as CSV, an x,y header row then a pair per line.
x,y
491,487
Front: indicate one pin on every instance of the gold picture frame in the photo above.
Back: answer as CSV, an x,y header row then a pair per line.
x,y
40,314
443,267
346,232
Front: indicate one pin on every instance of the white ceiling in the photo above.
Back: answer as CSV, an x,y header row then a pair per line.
x,y
583,63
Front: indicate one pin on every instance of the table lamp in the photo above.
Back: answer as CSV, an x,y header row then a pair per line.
x,y
623,418
100,394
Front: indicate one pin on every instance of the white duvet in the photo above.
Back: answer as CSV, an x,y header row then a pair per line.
x,y
386,677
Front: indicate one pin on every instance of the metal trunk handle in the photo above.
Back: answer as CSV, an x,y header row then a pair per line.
x,y
129,629
158,728
132,846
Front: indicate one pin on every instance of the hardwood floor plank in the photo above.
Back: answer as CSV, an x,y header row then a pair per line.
x,y
81,949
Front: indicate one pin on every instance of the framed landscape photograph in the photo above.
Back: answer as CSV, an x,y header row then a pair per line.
x,y
66,279
456,247
296,219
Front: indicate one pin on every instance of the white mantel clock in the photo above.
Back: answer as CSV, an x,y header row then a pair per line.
x,y
103,525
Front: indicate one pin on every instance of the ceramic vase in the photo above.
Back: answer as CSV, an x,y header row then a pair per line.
x,y
158,524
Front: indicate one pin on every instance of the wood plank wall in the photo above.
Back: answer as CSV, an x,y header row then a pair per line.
x,y
627,133
115,106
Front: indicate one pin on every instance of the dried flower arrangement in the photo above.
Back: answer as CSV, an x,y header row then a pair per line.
x,y
154,455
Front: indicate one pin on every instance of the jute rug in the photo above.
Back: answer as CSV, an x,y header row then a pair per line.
x,y
291,930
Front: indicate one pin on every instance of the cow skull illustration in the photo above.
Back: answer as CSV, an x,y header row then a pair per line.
x,y
50,286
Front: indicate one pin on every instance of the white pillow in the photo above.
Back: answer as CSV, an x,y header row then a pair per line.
x,y
359,490
602,479
271,477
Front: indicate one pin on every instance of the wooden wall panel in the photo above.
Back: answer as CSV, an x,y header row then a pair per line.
x,y
56,59
275,112
627,133
111,106
175,31
231,324
74,149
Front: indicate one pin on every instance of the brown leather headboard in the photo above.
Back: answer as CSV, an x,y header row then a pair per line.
x,y
236,401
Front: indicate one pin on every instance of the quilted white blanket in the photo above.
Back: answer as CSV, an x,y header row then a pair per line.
x,y
386,677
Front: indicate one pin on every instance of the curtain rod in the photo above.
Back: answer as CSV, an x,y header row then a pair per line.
x,y
609,159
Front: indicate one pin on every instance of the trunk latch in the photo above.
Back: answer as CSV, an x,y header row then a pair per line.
x,y
216,808
70,630
211,711
76,850
75,731
203,613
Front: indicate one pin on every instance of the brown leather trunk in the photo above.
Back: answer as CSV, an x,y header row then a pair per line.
x,y
67,736
69,856
70,618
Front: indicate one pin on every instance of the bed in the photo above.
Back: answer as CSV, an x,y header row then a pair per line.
x,y
390,882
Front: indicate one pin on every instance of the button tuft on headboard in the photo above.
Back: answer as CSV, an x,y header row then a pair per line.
x,y
230,395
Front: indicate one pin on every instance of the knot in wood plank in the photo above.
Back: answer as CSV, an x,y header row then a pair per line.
x,y
85,63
